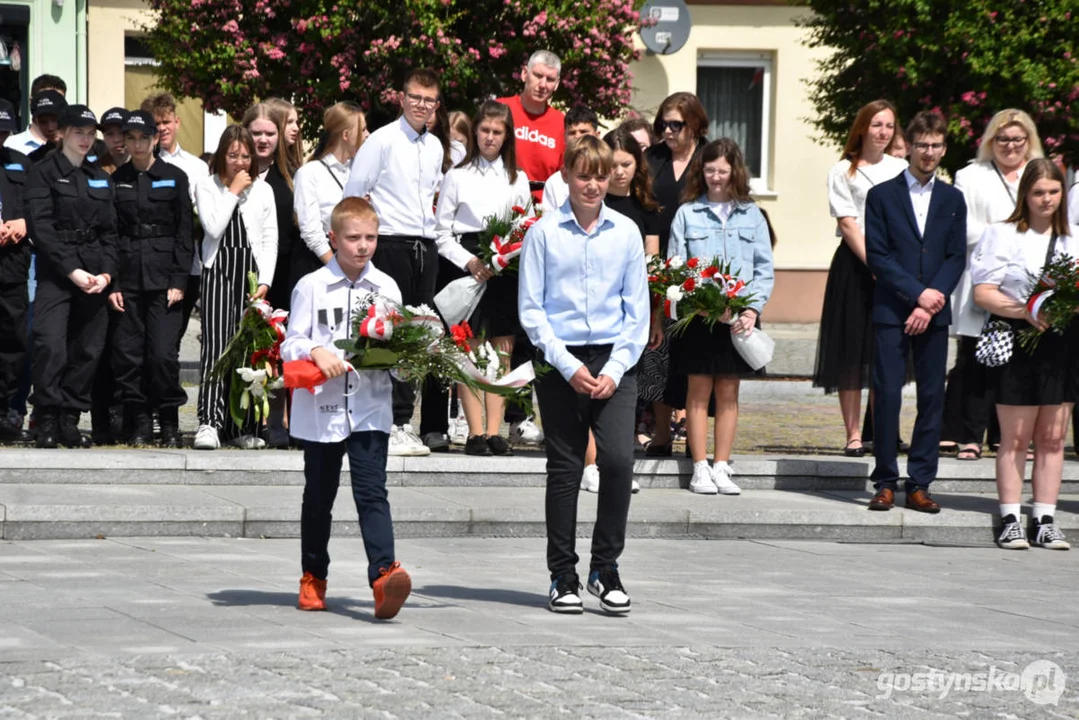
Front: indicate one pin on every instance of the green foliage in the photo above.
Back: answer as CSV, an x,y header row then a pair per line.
x,y
965,58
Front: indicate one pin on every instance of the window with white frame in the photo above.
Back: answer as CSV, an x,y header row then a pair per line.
x,y
736,91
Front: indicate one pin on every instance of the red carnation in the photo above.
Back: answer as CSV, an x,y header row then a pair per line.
x,y
518,210
689,285
692,263
709,271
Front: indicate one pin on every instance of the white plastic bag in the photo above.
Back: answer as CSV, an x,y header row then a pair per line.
x,y
756,348
459,299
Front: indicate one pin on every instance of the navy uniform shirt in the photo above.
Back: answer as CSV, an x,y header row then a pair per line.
x,y
154,222
14,257
71,217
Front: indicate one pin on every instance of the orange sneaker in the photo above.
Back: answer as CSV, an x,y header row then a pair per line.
x,y
391,590
312,593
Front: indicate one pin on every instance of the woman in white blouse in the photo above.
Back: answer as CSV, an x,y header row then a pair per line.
x,y
239,220
845,343
1035,391
485,184
320,182
990,185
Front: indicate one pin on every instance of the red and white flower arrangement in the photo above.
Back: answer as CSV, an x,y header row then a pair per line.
x,y
695,287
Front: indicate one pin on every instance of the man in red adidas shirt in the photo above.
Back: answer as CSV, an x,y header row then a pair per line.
x,y
538,127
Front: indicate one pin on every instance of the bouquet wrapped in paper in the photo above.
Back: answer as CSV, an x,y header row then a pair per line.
x,y
1055,296
254,355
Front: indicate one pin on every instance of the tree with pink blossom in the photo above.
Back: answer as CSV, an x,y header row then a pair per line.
x,y
228,53
965,58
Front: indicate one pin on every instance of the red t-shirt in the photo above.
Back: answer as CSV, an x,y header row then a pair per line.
x,y
541,140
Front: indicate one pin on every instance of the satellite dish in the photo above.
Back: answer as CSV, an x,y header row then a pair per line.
x,y
666,25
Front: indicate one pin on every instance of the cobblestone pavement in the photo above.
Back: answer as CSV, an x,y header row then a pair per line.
x,y
201,628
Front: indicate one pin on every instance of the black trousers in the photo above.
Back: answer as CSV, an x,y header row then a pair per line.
x,y
367,453
930,351
567,416
191,297
145,351
412,262
14,306
969,403
69,339
103,394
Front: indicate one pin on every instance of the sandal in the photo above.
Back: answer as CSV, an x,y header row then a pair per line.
x,y
854,451
949,448
969,452
654,449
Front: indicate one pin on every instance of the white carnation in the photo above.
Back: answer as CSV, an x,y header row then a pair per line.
x,y
676,262
674,292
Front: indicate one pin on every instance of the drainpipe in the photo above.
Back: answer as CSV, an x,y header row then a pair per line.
x,y
82,92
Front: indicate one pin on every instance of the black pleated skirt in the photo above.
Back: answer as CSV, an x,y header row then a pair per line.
x,y
845,339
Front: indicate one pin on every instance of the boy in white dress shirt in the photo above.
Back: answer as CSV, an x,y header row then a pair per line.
x,y
350,413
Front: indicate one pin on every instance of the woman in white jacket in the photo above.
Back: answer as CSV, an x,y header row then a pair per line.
x,y
239,218
989,185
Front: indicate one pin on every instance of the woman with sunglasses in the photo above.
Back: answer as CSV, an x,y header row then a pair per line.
x,y
681,126
990,185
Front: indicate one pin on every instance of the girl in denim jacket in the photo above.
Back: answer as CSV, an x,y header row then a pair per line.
x,y
719,220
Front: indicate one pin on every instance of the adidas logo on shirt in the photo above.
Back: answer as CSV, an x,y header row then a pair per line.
x,y
534,136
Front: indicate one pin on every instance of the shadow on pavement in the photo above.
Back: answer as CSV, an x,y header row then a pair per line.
x,y
493,595
355,609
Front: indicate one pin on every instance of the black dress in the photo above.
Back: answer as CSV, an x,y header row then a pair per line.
x,y
288,237
1046,376
496,315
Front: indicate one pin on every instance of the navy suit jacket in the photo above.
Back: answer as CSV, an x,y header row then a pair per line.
x,y
904,262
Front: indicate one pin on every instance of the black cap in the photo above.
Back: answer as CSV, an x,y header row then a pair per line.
x,y
140,120
113,116
78,116
47,102
7,116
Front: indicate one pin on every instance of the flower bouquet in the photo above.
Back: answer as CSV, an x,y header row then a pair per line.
x,y
254,353
501,241
697,288
1055,297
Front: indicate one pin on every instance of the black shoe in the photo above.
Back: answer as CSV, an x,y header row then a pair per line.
x,y
607,586
68,433
902,447
141,430
565,595
46,429
436,441
170,428
658,450
9,431
477,445
498,445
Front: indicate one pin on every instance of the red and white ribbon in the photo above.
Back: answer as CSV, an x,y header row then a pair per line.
x,y
1037,302
375,327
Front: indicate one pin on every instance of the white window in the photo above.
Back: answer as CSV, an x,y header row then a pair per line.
x,y
736,91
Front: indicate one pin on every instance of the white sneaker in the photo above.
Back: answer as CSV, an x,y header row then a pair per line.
x,y
405,443
206,438
526,432
701,482
721,476
458,430
634,486
249,442
590,479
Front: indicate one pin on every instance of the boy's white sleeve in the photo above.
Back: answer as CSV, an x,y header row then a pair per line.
x,y
298,333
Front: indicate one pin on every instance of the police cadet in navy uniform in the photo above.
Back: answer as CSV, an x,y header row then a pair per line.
x,y
14,269
69,204
154,224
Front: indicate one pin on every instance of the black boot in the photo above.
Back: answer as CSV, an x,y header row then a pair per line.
x,y
138,430
69,434
45,429
170,428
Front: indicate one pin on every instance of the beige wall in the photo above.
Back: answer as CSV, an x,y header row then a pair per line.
x,y
798,165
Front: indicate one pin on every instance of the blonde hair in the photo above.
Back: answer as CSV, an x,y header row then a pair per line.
x,y
588,154
1003,119
263,111
352,208
338,118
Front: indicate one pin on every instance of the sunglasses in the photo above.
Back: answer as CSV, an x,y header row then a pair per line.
x,y
674,126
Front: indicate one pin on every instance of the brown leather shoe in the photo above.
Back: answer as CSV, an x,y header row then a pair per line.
x,y
883,500
919,500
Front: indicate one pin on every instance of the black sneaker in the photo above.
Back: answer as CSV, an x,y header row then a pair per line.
x,y
1012,536
436,441
564,596
498,445
607,586
1047,535
477,445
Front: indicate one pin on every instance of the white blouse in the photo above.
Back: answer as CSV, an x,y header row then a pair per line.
x,y
846,194
319,186
1073,205
469,195
1013,260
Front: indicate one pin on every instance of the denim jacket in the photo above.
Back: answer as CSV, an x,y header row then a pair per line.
x,y
697,231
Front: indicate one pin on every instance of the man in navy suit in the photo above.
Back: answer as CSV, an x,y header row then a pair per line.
x,y
915,237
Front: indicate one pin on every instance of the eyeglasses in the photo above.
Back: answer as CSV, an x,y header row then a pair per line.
x,y
711,172
674,126
929,147
420,100
1005,140
234,157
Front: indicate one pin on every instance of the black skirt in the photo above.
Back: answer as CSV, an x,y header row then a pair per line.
x,y
701,350
845,340
1045,377
496,315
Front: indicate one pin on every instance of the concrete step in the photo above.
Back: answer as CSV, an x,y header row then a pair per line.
x,y
525,469
54,511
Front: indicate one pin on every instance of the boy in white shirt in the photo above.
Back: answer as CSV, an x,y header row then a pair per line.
x,y
350,413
